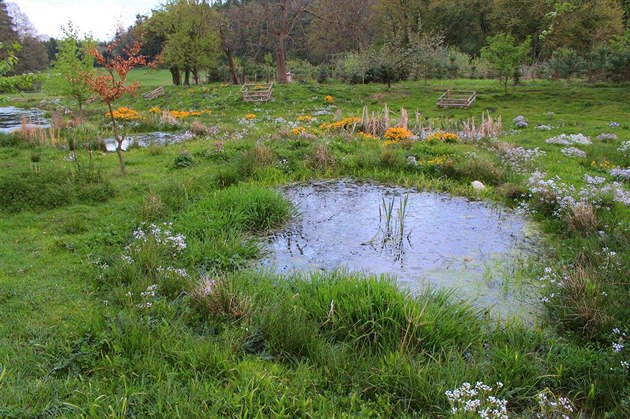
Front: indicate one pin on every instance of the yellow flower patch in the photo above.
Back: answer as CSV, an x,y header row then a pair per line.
x,y
441,136
123,113
397,134
341,124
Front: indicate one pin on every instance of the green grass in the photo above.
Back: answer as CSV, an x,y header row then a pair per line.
x,y
78,337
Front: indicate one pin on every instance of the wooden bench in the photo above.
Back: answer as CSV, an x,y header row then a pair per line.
x,y
256,92
456,99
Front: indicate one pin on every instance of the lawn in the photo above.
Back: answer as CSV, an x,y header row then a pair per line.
x,y
139,295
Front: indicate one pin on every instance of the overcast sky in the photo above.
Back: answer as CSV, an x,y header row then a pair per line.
x,y
100,18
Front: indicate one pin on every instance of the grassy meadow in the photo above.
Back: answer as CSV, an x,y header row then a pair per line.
x,y
138,295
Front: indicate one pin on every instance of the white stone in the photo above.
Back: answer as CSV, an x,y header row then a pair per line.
x,y
478,186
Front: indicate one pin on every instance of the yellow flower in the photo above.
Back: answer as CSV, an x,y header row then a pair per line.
x,y
441,136
329,99
397,134
304,118
155,109
125,114
250,116
343,123
298,131
365,136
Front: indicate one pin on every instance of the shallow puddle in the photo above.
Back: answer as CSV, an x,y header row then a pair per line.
x,y
420,238
11,118
149,138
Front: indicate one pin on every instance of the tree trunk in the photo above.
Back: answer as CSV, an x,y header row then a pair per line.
x,y
175,76
195,74
280,59
119,140
505,84
187,77
232,67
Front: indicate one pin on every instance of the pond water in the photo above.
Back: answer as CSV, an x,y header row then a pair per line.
x,y
420,238
149,138
11,118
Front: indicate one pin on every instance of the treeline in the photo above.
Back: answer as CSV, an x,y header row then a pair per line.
x,y
381,40
361,41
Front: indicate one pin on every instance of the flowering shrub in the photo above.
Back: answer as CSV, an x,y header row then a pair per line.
x,y
573,152
518,157
441,136
187,114
341,124
467,400
552,406
619,173
397,134
298,131
560,197
365,136
625,148
607,137
124,114
564,139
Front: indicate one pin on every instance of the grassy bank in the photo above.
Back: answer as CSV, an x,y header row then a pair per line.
x,y
138,295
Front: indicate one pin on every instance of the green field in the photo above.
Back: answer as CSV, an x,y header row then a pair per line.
x,y
78,337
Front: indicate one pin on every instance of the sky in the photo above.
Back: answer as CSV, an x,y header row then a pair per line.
x,y
99,18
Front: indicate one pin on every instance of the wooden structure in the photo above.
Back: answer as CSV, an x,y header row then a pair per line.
x,y
456,99
154,93
256,92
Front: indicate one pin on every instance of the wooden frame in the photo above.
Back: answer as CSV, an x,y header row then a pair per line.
x,y
256,92
457,99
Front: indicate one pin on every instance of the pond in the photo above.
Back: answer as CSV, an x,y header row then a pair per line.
x,y
420,238
11,118
149,138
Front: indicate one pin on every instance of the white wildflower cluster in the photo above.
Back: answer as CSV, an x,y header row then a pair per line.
x,y
520,122
607,137
554,192
147,296
621,173
519,157
552,406
322,112
550,282
625,148
169,270
571,139
161,235
543,127
573,152
614,124
619,342
71,157
411,161
468,399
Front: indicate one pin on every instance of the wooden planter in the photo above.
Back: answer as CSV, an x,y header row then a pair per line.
x,y
456,99
259,92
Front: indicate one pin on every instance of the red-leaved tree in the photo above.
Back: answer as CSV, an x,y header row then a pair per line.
x,y
111,84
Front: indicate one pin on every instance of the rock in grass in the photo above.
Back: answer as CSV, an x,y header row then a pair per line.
x,y
478,186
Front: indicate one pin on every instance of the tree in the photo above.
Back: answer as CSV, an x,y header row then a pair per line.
x,y
33,56
190,37
281,17
111,84
10,59
505,55
73,63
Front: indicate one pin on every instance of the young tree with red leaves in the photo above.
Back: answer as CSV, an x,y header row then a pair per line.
x,y
111,84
